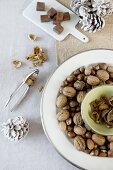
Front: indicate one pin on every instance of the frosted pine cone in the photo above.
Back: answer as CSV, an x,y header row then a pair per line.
x,y
102,7
76,4
92,23
15,129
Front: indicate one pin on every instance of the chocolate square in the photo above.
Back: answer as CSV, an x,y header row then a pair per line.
x,y
40,6
52,12
58,29
44,18
59,16
66,16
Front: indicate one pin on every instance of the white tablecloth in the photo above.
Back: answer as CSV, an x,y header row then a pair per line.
x,y
34,152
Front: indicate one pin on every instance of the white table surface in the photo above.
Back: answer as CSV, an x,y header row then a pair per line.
x,y
34,152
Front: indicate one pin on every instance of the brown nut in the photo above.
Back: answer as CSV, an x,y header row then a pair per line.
x,y
63,115
110,69
103,66
90,144
111,146
80,77
88,135
69,128
110,138
71,134
79,143
103,75
79,130
94,152
80,96
87,71
103,154
73,103
98,139
61,101
69,121
63,126
69,91
70,78
110,153
82,69
66,107
76,72
79,85
111,75
93,80
77,119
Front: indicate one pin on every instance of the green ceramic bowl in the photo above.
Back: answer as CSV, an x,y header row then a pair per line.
x,y
96,93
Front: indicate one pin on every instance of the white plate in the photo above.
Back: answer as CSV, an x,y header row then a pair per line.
x,y
48,111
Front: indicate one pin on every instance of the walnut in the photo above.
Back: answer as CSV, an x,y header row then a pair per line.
x,y
98,139
63,126
61,101
110,69
79,143
87,71
81,96
69,91
103,75
79,130
63,115
79,85
93,80
77,119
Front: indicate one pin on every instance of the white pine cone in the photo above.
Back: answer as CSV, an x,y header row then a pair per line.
x,y
102,7
15,129
76,4
92,23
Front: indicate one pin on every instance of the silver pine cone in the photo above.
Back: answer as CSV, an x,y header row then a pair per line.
x,y
102,7
92,22
15,129
76,4
91,13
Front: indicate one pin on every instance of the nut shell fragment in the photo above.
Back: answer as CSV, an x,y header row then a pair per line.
x,y
32,37
17,63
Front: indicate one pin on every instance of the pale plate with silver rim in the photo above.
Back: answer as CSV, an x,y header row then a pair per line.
x,y
48,111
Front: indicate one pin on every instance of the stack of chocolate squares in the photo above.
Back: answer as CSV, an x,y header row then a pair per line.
x,y
53,15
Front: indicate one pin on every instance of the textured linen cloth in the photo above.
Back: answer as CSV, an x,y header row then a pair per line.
x,y
34,152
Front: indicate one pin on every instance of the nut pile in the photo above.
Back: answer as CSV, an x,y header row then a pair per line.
x,y
38,57
15,129
102,111
68,102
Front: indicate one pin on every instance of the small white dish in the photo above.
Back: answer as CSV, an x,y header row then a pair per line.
x,y
48,111
96,93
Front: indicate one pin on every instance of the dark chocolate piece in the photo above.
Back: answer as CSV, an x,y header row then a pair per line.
x,y
59,16
44,18
56,22
58,29
52,12
66,16
40,6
